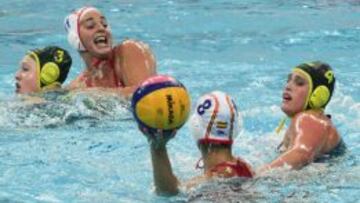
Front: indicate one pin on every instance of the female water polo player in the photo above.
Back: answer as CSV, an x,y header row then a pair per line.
x,y
214,125
121,68
42,69
311,133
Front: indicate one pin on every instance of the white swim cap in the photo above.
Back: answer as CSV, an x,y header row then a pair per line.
x,y
72,23
215,119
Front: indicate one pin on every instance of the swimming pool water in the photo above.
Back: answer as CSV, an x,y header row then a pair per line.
x,y
86,148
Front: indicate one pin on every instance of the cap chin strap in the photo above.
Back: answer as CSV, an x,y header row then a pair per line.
x,y
281,125
308,77
306,105
34,56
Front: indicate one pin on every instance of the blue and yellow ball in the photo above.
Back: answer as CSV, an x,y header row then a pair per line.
x,y
161,102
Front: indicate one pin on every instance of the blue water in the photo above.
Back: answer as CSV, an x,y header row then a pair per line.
x,y
86,148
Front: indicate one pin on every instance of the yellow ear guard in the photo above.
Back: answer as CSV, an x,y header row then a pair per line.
x,y
53,64
49,73
319,97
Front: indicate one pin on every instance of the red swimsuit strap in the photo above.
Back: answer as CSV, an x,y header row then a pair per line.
x,y
96,63
240,168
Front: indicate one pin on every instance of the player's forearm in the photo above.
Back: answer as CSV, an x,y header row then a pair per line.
x,y
165,181
295,158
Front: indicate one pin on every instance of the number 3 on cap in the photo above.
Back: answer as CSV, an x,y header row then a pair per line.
x,y
202,107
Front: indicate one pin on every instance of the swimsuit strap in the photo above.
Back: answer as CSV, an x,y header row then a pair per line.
x,y
239,169
242,169
96,63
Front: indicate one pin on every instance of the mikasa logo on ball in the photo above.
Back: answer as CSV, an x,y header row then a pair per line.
x,y
161,102
170,104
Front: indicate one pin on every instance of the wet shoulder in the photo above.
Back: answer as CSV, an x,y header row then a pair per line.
x,y
320,123
312,118
134,62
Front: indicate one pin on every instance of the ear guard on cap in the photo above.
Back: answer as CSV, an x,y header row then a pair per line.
x,y
319,97
71,27
49,73
53,64
215,119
